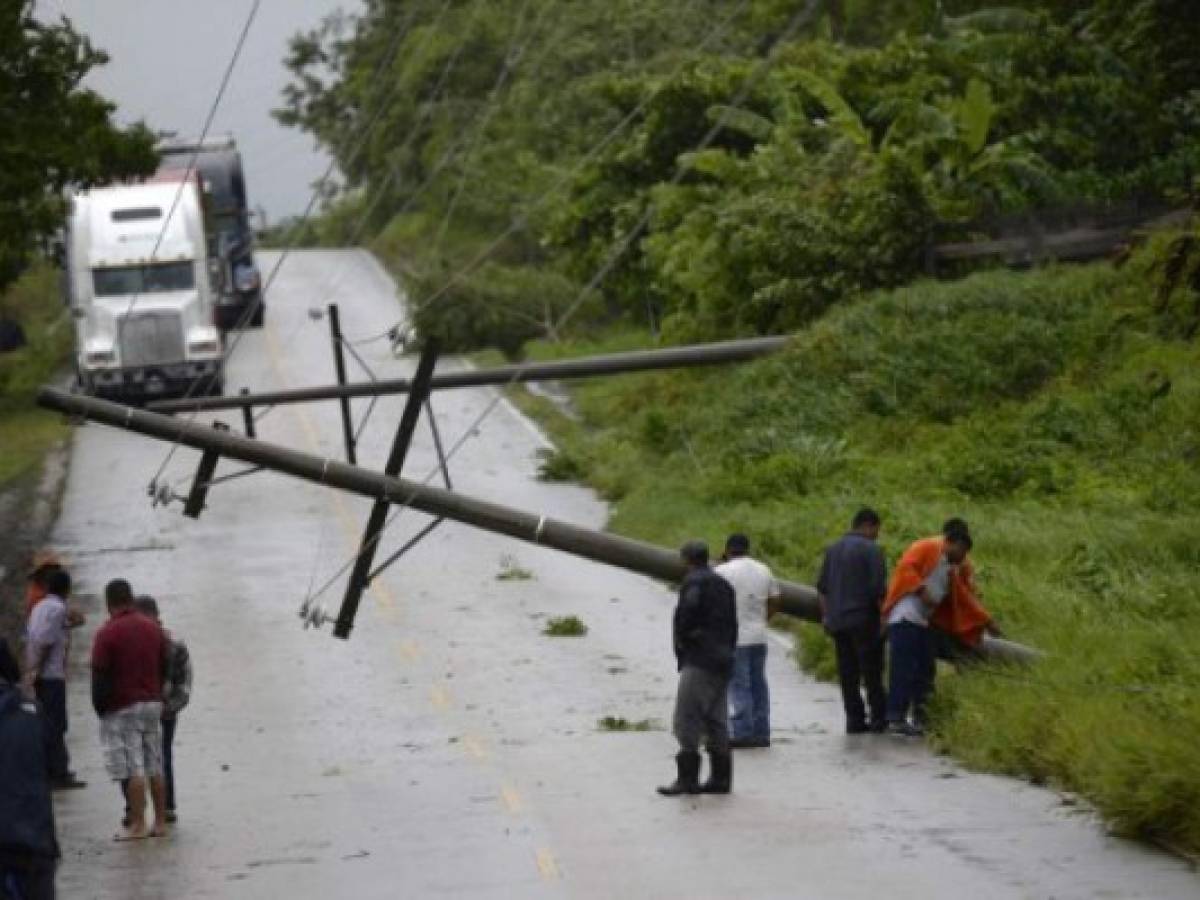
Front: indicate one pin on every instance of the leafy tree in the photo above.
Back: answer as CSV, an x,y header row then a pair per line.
x,y
881,123
54,132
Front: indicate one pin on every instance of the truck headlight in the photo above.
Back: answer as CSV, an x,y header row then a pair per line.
x,y
204,340
204,345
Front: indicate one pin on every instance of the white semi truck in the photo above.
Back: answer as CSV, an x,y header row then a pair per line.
x,y
139,287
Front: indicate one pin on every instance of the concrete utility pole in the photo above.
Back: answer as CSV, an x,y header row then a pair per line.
x,y
637,556
560,370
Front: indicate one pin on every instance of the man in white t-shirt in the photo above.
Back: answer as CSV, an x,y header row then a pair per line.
x,y
749,699
921,583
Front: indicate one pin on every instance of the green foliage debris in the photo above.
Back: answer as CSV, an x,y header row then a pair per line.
x,y
620,723
565,626
511,570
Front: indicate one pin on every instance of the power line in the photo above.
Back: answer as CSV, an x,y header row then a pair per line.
x,y
568,177
191,167
364,217
797,21
512,58
507,67
355,149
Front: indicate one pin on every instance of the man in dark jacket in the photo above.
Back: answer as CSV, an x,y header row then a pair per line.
x,y
705,634
28,846
851,586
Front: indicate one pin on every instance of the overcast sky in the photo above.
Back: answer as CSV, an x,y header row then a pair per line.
x,y
167,59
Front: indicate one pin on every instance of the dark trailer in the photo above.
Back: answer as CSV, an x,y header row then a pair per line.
x,y
237,281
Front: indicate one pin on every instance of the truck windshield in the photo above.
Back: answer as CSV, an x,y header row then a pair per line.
x,y
153,279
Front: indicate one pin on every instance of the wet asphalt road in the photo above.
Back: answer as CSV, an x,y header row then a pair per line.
x,y
448,748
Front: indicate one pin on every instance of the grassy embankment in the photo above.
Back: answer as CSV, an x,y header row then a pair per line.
x,y
1058,411
26,432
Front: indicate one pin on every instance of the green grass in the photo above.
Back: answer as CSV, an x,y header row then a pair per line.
x,y
565,626
26,432
620,723
26,436
1057,410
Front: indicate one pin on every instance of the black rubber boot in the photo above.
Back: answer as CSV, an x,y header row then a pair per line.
x,y
721,779
688,779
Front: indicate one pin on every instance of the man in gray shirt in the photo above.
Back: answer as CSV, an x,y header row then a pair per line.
x,y
46,672
851,587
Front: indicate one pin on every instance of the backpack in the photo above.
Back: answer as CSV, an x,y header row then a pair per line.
x,y
26,813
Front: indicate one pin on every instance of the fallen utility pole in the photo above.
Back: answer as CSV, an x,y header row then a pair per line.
x,y
637,556
559,370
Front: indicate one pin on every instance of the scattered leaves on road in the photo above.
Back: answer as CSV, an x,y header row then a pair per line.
x,y
620,723
511,570
565,626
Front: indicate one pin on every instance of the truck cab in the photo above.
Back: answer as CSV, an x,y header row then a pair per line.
x,y
139,290
237,281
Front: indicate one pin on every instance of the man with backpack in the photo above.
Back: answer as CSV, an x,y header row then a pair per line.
x,y
177,691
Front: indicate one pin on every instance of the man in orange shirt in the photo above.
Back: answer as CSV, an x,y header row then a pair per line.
x,y
928,584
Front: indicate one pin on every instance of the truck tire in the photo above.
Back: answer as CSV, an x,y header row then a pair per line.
x,y
259,316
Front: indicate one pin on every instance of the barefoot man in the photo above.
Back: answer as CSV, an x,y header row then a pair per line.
x,y
128,659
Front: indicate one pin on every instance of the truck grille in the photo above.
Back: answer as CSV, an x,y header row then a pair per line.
x,y
149,339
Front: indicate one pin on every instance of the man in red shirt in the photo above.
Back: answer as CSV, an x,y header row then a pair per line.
x,y
128,660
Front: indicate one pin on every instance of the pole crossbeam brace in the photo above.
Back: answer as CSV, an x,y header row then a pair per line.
x,y
360,575
194,504
599,546
585,367
432,526
247,415
339,367
438,446
198,495
408,545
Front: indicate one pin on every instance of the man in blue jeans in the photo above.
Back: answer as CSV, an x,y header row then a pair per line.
x,y
177,691
923,580
750,700
28,845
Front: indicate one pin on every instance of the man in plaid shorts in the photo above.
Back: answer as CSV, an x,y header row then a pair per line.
x,y
128,660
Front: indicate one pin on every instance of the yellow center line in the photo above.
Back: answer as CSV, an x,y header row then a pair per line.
x,y
512,800
409,650
474,746
546,864
379,589
439,696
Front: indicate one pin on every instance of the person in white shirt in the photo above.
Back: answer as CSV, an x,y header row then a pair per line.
x,y
921,583
749,697
46,669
